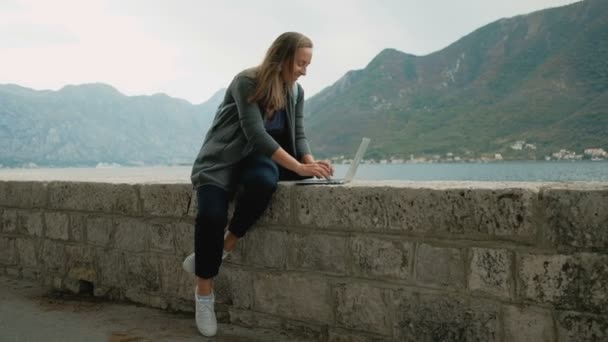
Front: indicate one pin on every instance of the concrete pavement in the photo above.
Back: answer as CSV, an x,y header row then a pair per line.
x,y
29,313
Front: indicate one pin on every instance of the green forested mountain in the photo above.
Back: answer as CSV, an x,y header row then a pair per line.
x,y
94,123
541,77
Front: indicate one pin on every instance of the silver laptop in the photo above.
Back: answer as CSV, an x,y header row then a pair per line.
x,y
350,174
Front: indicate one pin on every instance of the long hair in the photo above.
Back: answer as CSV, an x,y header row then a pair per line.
x,y
271,88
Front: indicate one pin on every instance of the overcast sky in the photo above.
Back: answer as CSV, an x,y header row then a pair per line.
x,y
191,48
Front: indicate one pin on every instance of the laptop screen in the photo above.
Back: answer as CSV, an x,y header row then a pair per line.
x,y
350,174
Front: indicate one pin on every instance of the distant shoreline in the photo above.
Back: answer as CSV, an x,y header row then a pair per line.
x,y
365,162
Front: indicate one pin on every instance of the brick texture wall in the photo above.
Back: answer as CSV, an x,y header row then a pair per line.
x,y
374,261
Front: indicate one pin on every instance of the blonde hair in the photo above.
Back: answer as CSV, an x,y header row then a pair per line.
x,y
271,89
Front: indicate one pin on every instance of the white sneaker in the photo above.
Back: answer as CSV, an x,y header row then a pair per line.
x,y
188,263
206,322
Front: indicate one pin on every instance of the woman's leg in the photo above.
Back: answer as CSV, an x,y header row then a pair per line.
x,y
209,234
258,178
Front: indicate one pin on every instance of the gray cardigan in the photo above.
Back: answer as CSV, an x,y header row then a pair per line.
x,y
238,131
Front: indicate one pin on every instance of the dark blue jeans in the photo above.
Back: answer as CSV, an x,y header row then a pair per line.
x,y
258,177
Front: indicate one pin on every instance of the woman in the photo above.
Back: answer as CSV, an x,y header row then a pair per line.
x,y
256,139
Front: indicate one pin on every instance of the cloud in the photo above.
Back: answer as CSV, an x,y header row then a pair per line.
x,y
191,48
68,42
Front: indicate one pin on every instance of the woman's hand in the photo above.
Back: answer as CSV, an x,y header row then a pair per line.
x,y
307,167
314,169
311,167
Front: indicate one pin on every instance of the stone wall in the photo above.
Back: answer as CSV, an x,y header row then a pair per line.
x,y
367,262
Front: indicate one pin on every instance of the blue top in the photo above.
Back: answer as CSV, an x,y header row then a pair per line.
x,y
276,125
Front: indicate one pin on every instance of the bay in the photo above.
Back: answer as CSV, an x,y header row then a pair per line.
x,y
526,171
530,171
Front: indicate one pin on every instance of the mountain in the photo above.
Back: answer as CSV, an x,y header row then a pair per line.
x,y
94,123
541,78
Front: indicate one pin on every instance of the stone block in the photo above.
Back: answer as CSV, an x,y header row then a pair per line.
x,y
161,237
131,234
30,223
52,257
279,210
528,324
184,238
381,257
276,328
294,296
8,255
490,271
72,285
112,269
576,218
142,272
8,220
442,317
13,272
52,282
262,247
577,327
78,225
363,307
80,263
296,330
251,319
570,282
99,230
234,287
442,266
57,225
109,293
29,274
460,210
126,199
3,193
345,207
159,302
317,252
81,196
548,278
23,194
165,199
26,250
175,282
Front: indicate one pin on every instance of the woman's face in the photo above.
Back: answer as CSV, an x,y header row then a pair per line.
x,y
300,63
